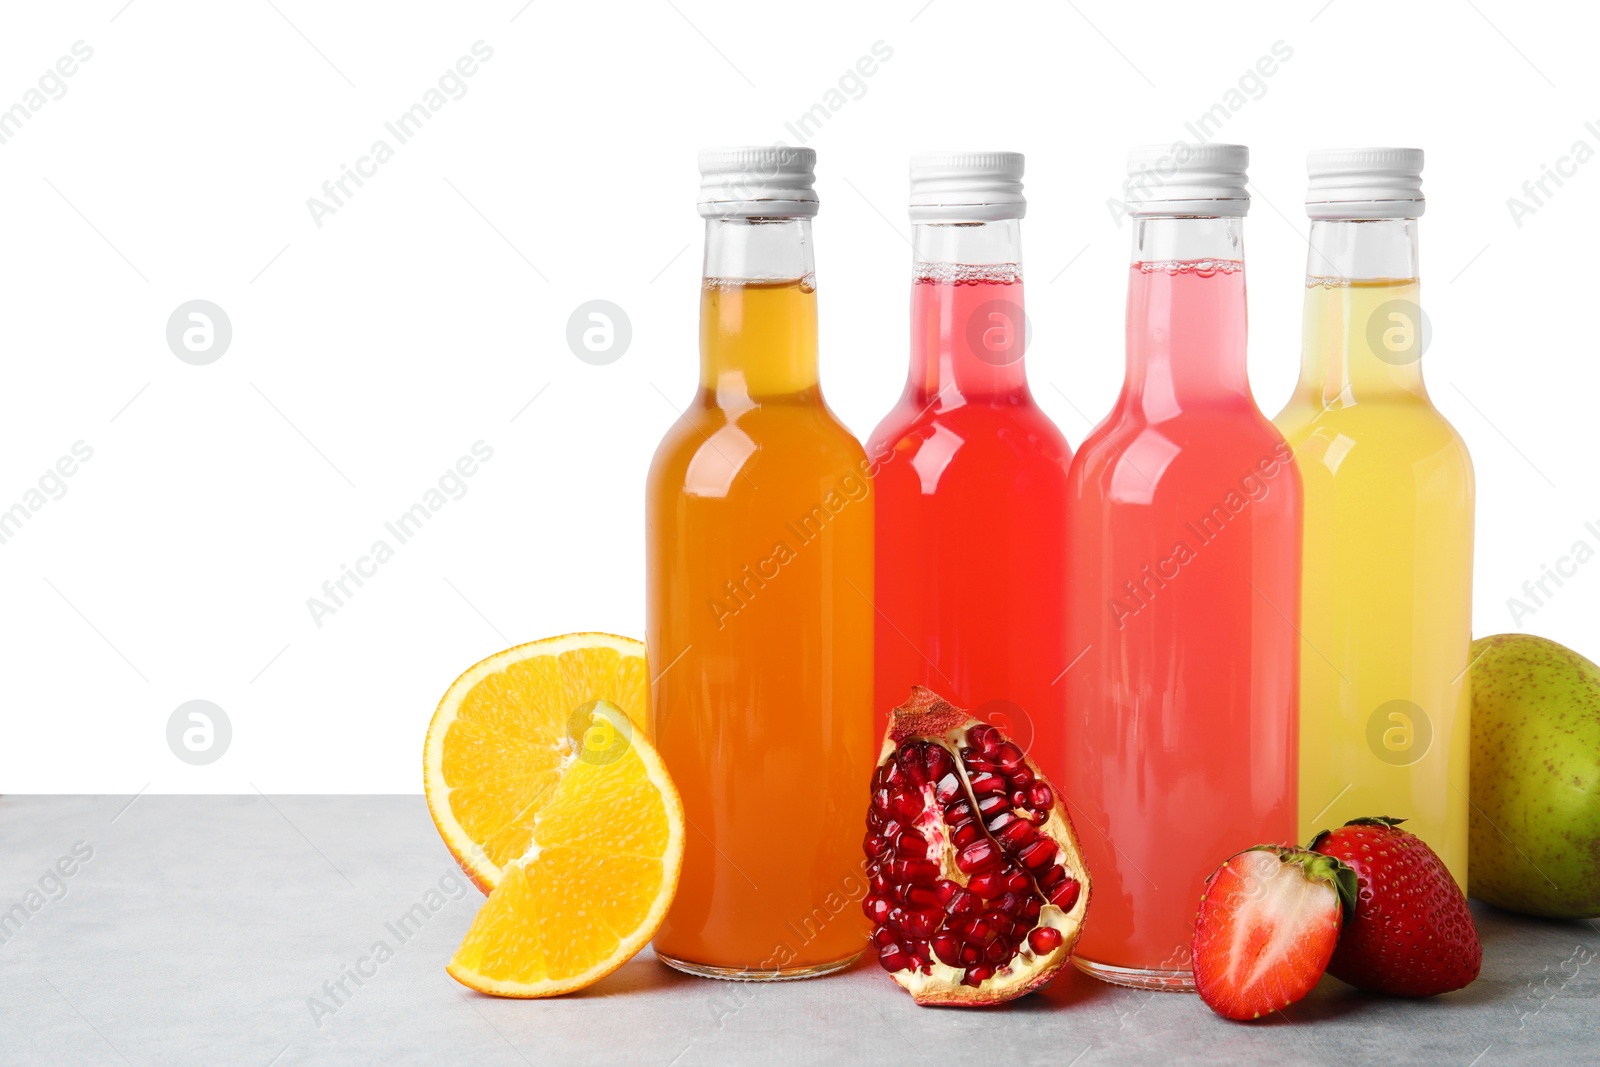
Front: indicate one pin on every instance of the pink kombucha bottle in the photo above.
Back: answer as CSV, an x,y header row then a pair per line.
x,y
1184,540
970,475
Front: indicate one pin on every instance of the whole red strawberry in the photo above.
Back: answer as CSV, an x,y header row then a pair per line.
x,y
1267,925
1412,933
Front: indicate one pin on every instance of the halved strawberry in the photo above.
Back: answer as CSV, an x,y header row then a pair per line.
x,y
1412,933
1268,923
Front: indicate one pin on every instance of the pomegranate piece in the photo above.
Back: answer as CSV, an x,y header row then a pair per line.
x,y
978,886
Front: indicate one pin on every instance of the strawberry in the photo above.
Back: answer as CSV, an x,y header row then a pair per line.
x,y
1268,923
1411,934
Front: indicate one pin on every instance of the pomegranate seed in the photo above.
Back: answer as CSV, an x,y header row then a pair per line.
x,y
978,765
1018,882
894,777
1039,855
997,952
875,819
999,920
877,909
1000,821
1052,878
965,834
984,738
1018,834
1008,756
989,884
1011,903
1040,795
971,955
948,788
882,936
893,958
947,947
917,872
880,800
920,924
891,829
1030,910
1065,895
874,846
1036,817
1043,940
978,975
1021,778
946,889
987,783
911,764
880,883
912,844
964,904
1019,798
920,896
988,806
905,806
980,933
939,763
982,855
958,813
896,920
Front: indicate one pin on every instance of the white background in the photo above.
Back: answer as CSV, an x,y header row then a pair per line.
x,y
428,311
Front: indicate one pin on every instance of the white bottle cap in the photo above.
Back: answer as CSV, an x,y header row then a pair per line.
x,y
966,187
1365,183
757,182
1186,179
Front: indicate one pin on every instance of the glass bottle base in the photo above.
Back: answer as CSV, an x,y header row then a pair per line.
x,y
1161,981
756,974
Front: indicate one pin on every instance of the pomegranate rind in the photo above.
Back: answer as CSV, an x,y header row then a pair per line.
x,y
926,716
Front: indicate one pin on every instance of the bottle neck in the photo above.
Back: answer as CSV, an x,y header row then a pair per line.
x,y
1186,315
758,311
968,328
1363,332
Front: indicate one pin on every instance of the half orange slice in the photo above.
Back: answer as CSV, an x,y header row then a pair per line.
x,y
508,730
594,882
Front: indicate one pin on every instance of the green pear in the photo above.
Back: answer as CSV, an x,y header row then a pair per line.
x,y
1534,843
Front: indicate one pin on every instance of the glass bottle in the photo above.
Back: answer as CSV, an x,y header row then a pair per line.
x,y
1387,607
759,619
970,476
1184,539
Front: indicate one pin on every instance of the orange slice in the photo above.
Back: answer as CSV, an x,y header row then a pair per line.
x,y
506,731
596,879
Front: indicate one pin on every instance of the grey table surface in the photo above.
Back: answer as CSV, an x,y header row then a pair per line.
x,y
217,930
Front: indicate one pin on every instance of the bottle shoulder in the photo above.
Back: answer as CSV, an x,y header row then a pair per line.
x,y
1377,438
709,450
969,440
1196,456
